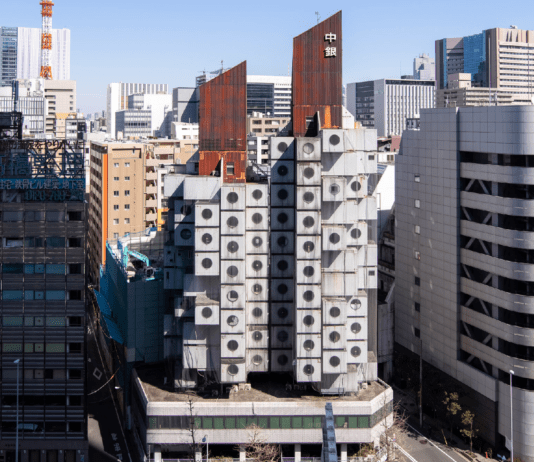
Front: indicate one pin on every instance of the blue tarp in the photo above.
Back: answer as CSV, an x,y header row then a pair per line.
x,y
103,304
111,325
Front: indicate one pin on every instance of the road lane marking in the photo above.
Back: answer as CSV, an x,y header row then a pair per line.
x,y
437,447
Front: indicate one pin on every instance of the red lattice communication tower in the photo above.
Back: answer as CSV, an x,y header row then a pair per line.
x,y
46,40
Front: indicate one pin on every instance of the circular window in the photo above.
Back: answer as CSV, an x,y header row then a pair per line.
x,y
335,361
282,289
334,337
282,265
232,296
232,321
355,327
207,312
282,360
334,139
207,263
308,197
356,186
232,197
308,296
257,289
308,271
282,241
308,222
282,312
355,351
207,214
308,172
257,194
257,241
282,336
308,148
283,170
257,360
308,369
232,247
334,238
186,234
206,238
257,265
308,320
232,222
355,233
334,189
282,217
355,304
282,146
257,218
232,271
186,210
232,345
257,312
257,336
282,194
233,369
308,345
308,246
335,312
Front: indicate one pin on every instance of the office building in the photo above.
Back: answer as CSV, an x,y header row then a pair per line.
x,y
160,107
117,98
184,131
185,105
42,303
207,76
260,125
424,68
20,55
61,99
463,288
269,94
386,104
132,124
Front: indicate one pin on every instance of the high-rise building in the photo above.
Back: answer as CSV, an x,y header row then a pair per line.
x,y
185,104
160,108
386,104
61,99
20,55
42,303
269,94
464,276
424,68
117,98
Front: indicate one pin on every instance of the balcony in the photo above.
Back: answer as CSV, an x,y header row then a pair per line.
x,y
151,217
151,203
151,190
151,176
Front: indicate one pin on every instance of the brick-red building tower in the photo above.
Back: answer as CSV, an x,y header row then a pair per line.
x,y
317,77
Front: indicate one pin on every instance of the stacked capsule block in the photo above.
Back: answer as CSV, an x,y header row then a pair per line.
x,y
282,248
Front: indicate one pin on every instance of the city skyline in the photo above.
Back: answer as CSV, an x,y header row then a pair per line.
x,y
373,53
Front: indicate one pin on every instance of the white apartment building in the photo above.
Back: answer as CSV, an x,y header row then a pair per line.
x,y
424,68
269,94
184,131
160,107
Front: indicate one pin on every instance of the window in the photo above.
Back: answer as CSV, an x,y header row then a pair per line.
x,y
74,216
126,178
417,307
75,295
115,178
417,281
75,348
115,235
74,242
116,193
115,221
417,229
417,255
127,221
417,332
13,216
230,168
75,268
417,178
127,192
127,207
75,321
116,164
55,242
115,207
417,204
127,164
13,242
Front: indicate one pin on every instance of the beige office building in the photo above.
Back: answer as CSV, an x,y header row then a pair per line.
x,y
61,98
267,126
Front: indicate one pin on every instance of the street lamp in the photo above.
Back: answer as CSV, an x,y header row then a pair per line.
x,y
511,419
17,362
205,440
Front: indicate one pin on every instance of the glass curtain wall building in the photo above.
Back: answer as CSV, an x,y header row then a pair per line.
x,y
475,58
8,55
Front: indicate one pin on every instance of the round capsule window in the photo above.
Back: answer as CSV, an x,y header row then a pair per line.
x,y
206,238
282,265
282,147
282,217
257,312
232,271
308,173
308,369
232,321
232,222
283,170
257,360
308,345
335,312
257,218
308,320
356,186
282,313
334,140
186,234
232,197
308,222
334,337
232,345
207,263
334,238
308,246
282,289
282,360
232,247
335,361
282,241
186,210
257,336
308,296
257,241
207,214
355,304
355,233
257,265
308,197
308,271
232,296
282,336
335,189
207,312
355,351
257,289
257,194
233,369
356,327
308,148
282,194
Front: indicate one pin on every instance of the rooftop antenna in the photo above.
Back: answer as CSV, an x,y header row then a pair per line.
x,y
318,16
222,66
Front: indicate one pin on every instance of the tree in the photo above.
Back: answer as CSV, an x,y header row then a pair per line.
x,y
470,431
452,406
194,447
257,447
393,423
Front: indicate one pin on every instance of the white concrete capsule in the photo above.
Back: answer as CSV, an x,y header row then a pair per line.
x,y
334,238
281,337
351,284
233,223
194,335
282,219
233,247
308,222
334,311
366,208
354,140
233,373
184,235
334,337
282,148
257,360
202,188
282,243
174,186
257,195
357,186
308,322
282,313
282,171
206,264
357,234
281,360
333,262
207,239
308,149
308,198
233,346
334,362
308,272
282,290
184,212
194,357
357,328
257,337
308,247
333,140
206,314
257,313
257,266
308,346
282,195
257,290
206,215
333,284
233,297
308,296
350,260
370,139
233,197
357,305
257,242
334,189
232,321
233,272
335,213
357,352
333,164
359,163
282,266
309,174
257,219
308,370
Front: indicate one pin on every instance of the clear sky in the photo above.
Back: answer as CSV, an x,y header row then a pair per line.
x,y
172,41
